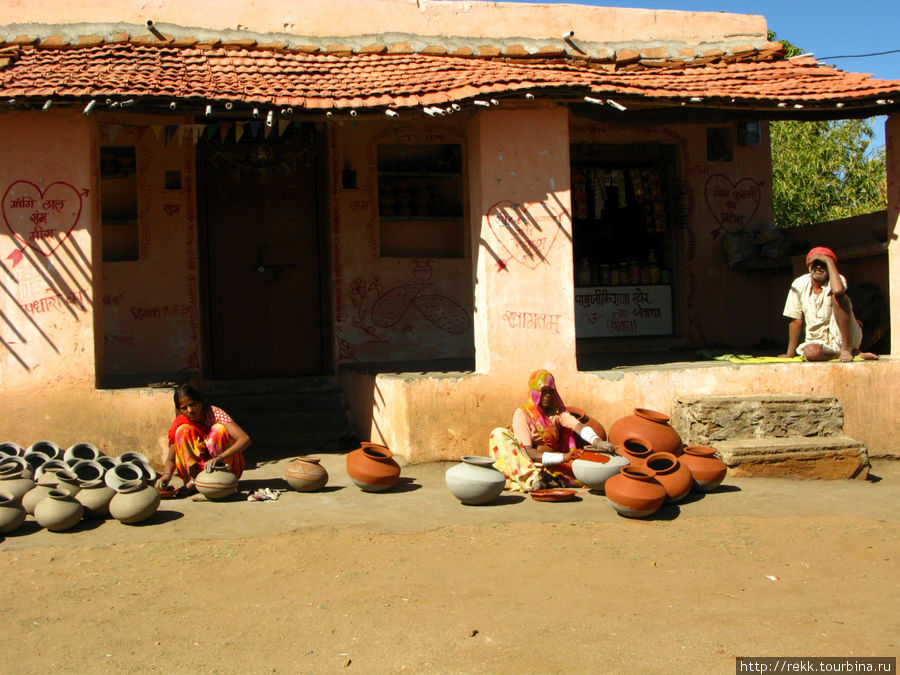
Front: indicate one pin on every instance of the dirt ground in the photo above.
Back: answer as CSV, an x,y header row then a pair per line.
x,y
343,581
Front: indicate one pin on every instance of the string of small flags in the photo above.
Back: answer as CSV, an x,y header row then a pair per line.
x,y
221,130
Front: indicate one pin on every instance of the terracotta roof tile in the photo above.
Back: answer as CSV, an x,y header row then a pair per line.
x,y
323,81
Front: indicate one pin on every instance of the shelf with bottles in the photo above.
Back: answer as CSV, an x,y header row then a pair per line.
x,y
420,182
629,272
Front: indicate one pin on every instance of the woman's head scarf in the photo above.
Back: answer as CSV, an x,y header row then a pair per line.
x,y
551,433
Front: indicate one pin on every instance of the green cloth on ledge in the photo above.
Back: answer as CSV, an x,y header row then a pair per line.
x,y
746,358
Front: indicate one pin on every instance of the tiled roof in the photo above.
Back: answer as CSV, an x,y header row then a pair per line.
x,y
389,78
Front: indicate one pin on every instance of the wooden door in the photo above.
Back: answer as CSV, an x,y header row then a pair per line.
x,y
264,316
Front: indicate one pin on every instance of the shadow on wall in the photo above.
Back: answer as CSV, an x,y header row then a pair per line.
x,y
48,276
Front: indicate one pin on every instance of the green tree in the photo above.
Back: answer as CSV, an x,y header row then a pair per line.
x,y
824,170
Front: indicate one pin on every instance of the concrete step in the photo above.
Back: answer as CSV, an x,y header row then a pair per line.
x,y
818,457
707,420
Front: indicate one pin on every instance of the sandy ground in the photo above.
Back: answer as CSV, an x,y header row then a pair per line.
x,y
342,581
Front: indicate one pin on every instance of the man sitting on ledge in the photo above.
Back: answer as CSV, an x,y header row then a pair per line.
x,y
819,300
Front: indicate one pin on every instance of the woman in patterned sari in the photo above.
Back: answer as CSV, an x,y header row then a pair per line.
x,y
533,453
202,437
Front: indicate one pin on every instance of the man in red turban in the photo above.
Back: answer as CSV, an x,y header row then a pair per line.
x,y
819,302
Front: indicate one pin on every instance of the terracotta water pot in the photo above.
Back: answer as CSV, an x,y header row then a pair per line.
x,y
372,468
672,475
474,480
14,481
635,450
95,496
216,484
12,514
593,472
650,427
586,419
707,469
306,474
58,511
79,451
634,492
10,449
134,502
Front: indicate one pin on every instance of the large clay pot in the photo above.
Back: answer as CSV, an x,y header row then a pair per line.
x,y
635,451
79,451
88,470
634,492
134,502
95,496
10,449
306,474
14,481
372,468
649,427
587,420
49,467
47,448
122,473
58,511
707,469
35,496
474,480
595,468
216,484
672,475
12,514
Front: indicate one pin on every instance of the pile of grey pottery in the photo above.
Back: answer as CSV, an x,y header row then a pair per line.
x,y
59,488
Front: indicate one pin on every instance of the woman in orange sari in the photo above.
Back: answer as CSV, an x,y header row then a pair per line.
x,y
532,454
202,437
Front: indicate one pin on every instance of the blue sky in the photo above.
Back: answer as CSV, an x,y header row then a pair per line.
x,y
824,27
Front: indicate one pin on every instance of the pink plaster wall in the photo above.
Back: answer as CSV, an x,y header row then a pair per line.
x,y
47,174
390,308
150,305
327,18
522,238
717,305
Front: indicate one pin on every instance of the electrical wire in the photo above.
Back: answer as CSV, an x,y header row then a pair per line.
x,y
860,56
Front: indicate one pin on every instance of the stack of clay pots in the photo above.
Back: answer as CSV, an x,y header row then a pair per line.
x,y
661,470
59,488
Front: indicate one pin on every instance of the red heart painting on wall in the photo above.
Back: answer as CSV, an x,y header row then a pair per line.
x,y
41,219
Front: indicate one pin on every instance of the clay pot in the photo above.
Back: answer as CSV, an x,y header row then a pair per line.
x,y
593,472
58,511
14,481
306,474
35,460
672,475
79,451
95,496
134,502
634,492
64,480
12,514
35,495
584,418
51,466
10,464
107,462
649,427
132,455
148,473
216,484
49,449
707,469
88,470
474,480
372,468
122,473
635,451
10,449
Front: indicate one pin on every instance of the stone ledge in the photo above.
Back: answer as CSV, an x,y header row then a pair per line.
x,y
705,420
830,457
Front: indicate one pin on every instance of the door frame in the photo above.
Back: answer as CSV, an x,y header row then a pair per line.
x,y
314,136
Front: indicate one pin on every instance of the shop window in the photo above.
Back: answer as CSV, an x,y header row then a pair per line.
x,y
420,201
118,203
623,211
